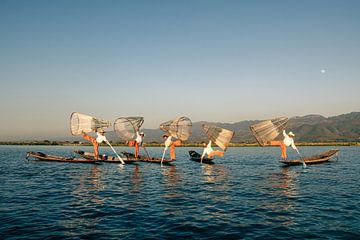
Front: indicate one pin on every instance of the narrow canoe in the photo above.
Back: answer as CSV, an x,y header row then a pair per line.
x,y
321,158
45,157
195,156
104,158
147,159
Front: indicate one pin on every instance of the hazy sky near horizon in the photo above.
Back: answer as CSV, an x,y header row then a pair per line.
x,y
223,61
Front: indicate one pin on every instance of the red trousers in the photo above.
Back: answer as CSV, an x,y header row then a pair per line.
x,y
282,146
216,153
135,144
94,143
174,144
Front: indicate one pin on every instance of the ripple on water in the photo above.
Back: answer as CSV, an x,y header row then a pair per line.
x,y
245,195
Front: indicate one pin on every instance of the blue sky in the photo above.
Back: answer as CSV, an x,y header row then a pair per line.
x,y
223,61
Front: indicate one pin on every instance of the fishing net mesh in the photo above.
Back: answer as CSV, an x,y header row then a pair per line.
x,y
220,136
179,128
268,130
83,123
126,127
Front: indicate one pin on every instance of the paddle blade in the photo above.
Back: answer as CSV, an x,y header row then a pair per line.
x,y
220,136
126,127
268,130
179,128
84,123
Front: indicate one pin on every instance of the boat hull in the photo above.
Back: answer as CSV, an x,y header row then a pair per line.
x,y
104,158
317,159
147,159
53,158
195,156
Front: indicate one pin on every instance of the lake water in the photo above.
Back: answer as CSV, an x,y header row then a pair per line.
x,y
247,194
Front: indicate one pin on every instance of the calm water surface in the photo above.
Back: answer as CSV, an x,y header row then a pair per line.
x,y
248,194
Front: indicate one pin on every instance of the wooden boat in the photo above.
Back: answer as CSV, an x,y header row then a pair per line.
x,y
45,157
104,158
147,159
323,157
194,156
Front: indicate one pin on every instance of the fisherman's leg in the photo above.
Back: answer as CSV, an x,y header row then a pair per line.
x,y
275,143
282,146
283,150
216,153
173,145
87,137
219,153
136,150
177,143
96,150
172,151
94,143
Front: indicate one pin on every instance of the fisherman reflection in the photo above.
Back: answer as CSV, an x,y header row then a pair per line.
x,y
171,176
172,181
86,195
172,145
214,173
136,179
88,185
288,184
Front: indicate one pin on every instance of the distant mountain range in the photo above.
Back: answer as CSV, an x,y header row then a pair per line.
x,y
310,128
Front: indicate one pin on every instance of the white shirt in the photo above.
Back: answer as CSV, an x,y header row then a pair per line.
x,y
168,142
139,139
207,150
289,141
100,138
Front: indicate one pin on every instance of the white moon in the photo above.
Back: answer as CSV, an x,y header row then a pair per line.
x,y
323,71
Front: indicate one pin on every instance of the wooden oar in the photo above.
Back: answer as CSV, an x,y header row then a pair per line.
x,y
122,161
302,159
162,158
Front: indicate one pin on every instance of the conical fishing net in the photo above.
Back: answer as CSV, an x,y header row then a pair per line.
x,y
83,123
126,127
179,128
220,136
268,130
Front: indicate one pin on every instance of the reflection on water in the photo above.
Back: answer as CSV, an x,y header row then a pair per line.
x,y
87,186
85,198
247,195
284,188
214,173
171,176
218,192
172,182
288,184
136,180
173,193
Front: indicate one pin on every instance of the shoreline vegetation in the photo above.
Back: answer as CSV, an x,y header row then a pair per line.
x,y
155,144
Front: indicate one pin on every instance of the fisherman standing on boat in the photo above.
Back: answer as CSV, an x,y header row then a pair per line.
x,y
288,141
172,144
96,141
211,152
138,142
